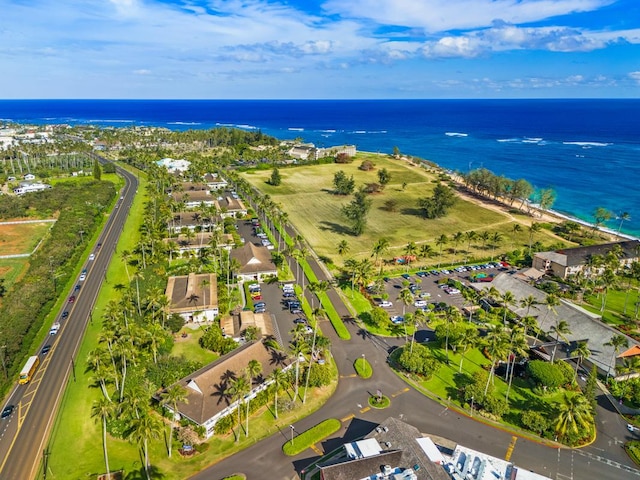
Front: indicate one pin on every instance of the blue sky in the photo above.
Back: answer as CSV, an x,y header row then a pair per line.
x,y
319,49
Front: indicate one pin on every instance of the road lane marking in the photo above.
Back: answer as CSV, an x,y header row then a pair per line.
x,y
347,418
404,390
353,375
365,409
317,450
512,445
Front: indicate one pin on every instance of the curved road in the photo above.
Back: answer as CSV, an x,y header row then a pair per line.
x,y
24,435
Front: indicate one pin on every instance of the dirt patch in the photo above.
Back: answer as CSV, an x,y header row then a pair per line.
x,y
21,238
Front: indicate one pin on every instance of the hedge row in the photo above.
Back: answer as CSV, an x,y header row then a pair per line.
x,y
311,436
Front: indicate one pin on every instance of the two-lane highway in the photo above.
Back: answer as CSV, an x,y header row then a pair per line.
x,y
25,437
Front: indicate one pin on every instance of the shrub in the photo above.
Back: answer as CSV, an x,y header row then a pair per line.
x,y
320,375
534,421
419,361
546,374
363,368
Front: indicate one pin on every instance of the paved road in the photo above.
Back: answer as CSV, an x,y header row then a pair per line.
x,y
26,433
605,459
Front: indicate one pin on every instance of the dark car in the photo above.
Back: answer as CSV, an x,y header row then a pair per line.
x,y
72,298
45,349
65,314
8,410
300,321
422,274
406,276
77,287
259,305
260,310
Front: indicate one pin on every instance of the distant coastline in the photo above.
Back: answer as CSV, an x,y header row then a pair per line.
x,y
588,155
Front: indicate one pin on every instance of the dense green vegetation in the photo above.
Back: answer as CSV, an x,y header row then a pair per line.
x,y
80,209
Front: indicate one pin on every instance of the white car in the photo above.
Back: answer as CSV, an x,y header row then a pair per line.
x,y
83,277
425,295
420,303
385,304
92,256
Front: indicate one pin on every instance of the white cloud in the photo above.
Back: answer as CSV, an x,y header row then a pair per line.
x,y
635,76
466,46
142,71
445,15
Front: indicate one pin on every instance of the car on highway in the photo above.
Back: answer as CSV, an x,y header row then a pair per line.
x,y
45,349
7,411
83,277
385,304
65,314
92,256
77,287
72,298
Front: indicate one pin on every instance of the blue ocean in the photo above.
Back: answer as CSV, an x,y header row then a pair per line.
x,y
588,151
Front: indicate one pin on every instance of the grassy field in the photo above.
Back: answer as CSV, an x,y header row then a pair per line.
x,y
190,348
17,238
305,195
11,269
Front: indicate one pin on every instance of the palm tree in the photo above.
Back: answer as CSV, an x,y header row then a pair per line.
x,y
551,301
457,238
410,251
561,330
508,299
380,248
484,236
174,394
144,428
426,250
441,241
582,352
623,217
574,412
343,248
470,236
528,302
496,238
496,345
518,346
465,342
254,369
515,229
406,297
103,410
278,377
617,342
533,228
237,389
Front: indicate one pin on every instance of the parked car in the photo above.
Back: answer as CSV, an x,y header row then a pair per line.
x,y
406,276
300,321
386,304
422,274
397,319
259,310
420,303
256,297
259,304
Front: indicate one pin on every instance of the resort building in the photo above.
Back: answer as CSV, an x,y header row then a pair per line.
x,y
255,263
192,220
195,242
584,326
215,181
194,297
231,207
207,400
569,261
174,166
194,198
395,450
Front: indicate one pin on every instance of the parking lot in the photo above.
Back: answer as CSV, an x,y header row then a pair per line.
x,y
427,283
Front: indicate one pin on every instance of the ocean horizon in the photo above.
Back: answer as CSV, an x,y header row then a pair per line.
x,y
587,150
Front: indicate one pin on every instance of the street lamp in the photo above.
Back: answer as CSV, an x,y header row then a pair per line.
x,y
471,405
292,430
363,363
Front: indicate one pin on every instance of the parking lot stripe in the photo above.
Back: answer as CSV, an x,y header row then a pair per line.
x,y
317,450
365,409
347,418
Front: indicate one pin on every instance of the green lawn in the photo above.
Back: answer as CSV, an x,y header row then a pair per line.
x,y
305,196
315,434
614,307
190,348
363,367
